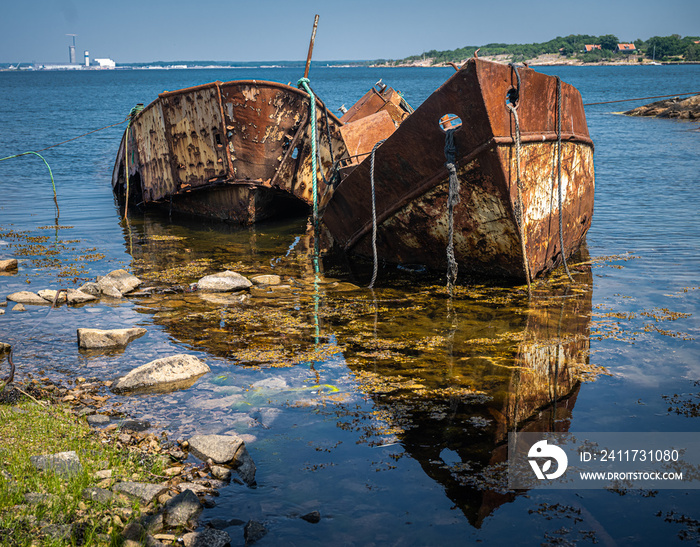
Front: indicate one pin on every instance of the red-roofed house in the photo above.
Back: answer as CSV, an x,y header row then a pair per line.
x,y
625,48
591,47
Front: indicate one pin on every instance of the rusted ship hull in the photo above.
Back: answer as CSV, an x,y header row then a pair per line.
x,y
412,181
236,151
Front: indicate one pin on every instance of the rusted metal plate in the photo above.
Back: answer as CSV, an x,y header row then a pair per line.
x,y
379,98
249,134
411,180
361,135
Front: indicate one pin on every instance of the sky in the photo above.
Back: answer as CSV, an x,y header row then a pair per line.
x,y
131,31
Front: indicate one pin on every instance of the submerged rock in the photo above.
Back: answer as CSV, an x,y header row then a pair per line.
x,y
8,265
223,282
225,449
166,374
253,532
63,463
27,297
102,339
266,280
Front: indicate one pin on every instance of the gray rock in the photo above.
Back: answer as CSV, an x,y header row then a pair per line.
x,y
118,281
27,297
266,280
223,282
143,491
58,531
166,374
63,463
90,288
50,295
133,531
103,339
79,297
208,537
253,532
36,498
182,509
99,495
134,425
98,420
19,307
153,523
8,264
220,472
225,449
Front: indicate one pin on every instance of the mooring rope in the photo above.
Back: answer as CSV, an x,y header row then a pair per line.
x,y
519,205
36,153
452,201
561,201
53,183
374,215
644,98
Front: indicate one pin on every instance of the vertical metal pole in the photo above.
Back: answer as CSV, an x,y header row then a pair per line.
x,y
311,47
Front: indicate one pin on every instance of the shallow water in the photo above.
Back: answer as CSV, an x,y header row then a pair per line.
x,y
385,410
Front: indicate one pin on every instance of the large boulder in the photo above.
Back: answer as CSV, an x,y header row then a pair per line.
x,y
225,449
104,339
166,374
223,282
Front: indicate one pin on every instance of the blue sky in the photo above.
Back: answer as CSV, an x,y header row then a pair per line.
x,y
265,30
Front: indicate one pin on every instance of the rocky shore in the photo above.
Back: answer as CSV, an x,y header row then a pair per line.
x,y
173,503
677,108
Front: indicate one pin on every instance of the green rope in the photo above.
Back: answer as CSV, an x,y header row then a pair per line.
x,y
53,183
304,83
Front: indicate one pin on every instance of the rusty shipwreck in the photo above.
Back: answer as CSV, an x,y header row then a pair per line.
x,y
517,144
236,151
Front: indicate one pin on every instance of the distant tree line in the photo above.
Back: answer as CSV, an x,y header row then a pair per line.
x,y
662,48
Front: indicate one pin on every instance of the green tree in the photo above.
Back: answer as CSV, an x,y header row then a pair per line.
x,y
692,52
608,41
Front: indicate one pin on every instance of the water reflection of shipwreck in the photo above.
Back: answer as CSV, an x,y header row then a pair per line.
x,y
453,405
501,127
241,151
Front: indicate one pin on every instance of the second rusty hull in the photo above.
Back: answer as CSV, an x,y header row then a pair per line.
x,y
237,151
412,182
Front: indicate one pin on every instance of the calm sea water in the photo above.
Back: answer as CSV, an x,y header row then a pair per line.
x,y
386,411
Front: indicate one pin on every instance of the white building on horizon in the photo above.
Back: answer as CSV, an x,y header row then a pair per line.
x,y
106,63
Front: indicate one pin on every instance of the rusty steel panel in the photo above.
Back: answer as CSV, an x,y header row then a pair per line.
x,y
249,134
361,135
194,130
376,100
411,180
